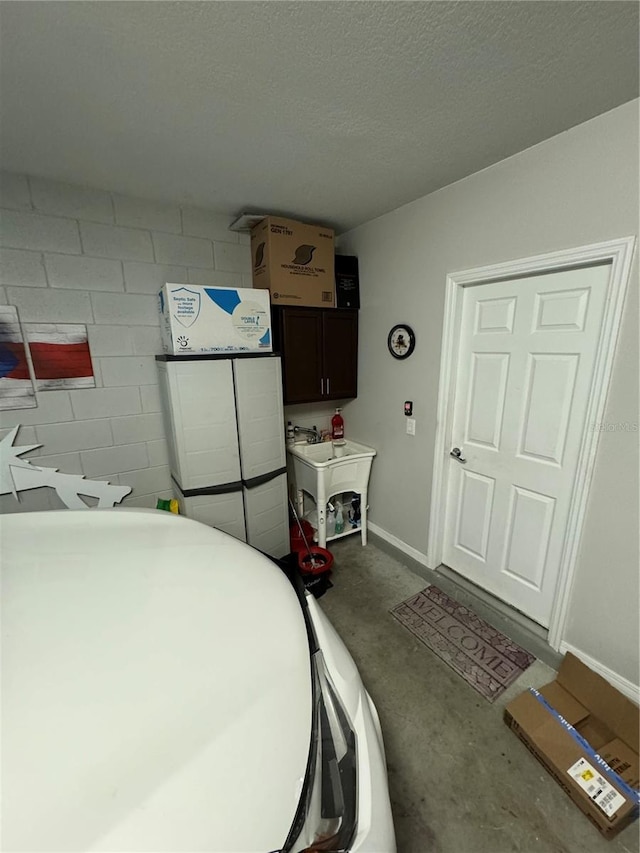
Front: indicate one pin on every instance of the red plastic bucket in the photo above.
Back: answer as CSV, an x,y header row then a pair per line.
x,y
295,537
315,563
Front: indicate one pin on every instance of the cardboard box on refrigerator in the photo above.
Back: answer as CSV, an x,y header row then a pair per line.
x,y
585,733
224,320
294,261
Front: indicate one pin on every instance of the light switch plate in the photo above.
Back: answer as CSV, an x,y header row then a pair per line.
x,y
411,426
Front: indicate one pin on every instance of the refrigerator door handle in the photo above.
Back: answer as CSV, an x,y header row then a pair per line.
x,y
322,387
327,386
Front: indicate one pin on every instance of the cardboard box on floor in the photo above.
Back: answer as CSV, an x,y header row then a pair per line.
x,y
585,732
294,261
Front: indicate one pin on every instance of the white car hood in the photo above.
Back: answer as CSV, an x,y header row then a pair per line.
x,y
156,687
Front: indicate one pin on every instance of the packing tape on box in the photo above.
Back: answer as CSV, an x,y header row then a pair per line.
x,y
633,795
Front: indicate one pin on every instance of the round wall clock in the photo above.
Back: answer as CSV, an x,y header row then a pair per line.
x,y
401,341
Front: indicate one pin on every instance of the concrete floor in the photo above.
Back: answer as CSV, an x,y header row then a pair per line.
x,y
460,781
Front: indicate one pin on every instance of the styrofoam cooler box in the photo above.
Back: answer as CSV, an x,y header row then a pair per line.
x,y
224,511
224,320
267,516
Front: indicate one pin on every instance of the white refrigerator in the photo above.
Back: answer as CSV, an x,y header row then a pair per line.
x,y
225,428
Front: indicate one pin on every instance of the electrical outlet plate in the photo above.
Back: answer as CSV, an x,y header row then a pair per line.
x,y
411,426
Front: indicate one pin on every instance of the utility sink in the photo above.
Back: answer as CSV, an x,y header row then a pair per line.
x,y
327,453
326,469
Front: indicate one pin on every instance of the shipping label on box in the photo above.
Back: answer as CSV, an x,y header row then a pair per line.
x,y
294,261
603,794
196,319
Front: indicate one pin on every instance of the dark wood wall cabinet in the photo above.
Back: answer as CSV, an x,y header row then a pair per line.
x,y
319,348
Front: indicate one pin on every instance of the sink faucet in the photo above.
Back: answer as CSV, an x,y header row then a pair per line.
x,y
313,436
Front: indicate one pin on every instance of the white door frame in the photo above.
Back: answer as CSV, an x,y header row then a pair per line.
x,y
619,254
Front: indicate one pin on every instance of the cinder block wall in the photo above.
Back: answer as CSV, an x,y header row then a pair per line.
x,y
75,255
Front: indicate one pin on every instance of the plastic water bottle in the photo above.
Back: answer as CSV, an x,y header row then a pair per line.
x,y
354,513
331,521
291,436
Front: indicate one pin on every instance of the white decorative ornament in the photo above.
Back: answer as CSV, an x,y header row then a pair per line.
x,y
19,475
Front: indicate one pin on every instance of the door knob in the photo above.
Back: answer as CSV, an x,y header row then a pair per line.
x,y
457,454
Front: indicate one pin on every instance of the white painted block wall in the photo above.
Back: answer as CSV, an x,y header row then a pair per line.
x,y
69,254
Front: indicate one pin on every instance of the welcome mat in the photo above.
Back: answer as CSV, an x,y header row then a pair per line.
x,y
482,655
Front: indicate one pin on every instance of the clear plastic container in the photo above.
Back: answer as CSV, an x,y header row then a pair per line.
x,y
331,522
291,438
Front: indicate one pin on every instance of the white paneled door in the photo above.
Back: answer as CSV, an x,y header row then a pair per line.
x,y
524,376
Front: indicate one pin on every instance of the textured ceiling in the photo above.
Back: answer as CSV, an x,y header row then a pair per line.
x,y
332,111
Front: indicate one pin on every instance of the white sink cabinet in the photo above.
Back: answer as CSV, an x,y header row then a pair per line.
x,y
325,470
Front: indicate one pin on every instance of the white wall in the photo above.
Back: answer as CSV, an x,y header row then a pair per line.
x,y
76,255
578,188
313,414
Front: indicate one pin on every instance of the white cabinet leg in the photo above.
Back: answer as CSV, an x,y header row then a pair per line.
x,y
363,517
322,527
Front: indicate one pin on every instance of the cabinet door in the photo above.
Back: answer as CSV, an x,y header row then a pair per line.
x,y
204,434
267,516
258,383
340,349
302,355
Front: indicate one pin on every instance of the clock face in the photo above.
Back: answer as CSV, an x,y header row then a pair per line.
x,y
401,341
